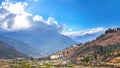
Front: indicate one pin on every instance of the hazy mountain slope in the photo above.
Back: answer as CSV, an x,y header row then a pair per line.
x,y
45,41
8,52
19,46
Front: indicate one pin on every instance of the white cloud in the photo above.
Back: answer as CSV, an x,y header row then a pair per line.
x,y
51,21
23,22
8,21
38,18
53,24
66,29
80,33
17,8
3,13
86,35
13,17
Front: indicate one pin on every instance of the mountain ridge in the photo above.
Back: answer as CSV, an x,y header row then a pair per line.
x,y
45,41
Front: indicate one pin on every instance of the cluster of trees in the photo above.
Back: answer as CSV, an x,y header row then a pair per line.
x,y
105,52
111,30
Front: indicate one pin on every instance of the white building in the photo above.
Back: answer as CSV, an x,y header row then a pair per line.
x,y
54,57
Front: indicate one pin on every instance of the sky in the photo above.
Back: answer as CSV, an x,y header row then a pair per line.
x,y
76,14
81,14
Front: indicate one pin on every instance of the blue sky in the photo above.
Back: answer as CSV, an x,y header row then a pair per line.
x,y
78,14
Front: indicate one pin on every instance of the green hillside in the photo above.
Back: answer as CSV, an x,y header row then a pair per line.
x,y
8,52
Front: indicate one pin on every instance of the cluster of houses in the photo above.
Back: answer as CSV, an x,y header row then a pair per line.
x,y
63,53
60,55
57,56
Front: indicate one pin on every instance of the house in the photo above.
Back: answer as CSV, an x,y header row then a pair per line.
x,y
54,56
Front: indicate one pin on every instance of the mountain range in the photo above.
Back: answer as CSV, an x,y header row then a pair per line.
x,y
38,44
35,42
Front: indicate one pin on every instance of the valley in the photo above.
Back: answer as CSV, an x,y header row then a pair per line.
x,y
103,52
59,34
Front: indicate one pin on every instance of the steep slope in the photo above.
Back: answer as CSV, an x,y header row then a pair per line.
x,y
109,38
19,46
8,52
105,47
45,41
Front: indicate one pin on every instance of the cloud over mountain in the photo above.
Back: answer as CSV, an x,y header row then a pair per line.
x,y
14,17
42,35
89,31
84,36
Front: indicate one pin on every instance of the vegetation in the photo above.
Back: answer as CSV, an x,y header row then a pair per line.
x,y
100,54
25,63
